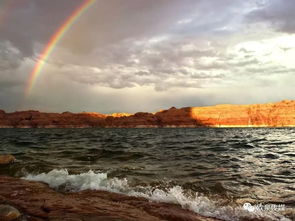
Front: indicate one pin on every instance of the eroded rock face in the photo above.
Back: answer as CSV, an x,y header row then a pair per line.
x,y
37,119
281,114
37,201
6,159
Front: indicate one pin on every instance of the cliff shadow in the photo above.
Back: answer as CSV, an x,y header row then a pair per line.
x,y
183,117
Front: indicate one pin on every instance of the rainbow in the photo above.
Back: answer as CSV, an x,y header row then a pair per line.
x,y
55,38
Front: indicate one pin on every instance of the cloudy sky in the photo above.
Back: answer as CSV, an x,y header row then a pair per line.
x,y
146,55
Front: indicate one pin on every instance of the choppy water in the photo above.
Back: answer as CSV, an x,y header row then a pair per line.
x,y
210,171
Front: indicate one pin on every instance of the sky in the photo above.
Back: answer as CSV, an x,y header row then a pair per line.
x,y
147,55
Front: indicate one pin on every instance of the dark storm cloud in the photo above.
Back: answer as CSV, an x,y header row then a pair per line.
x,y
114,21
28,22
278,13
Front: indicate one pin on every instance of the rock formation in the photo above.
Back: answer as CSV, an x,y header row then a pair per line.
x,y
8,213
37,202
36,119
6,159
281,114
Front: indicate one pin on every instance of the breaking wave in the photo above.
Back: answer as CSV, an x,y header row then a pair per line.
x,y
199,204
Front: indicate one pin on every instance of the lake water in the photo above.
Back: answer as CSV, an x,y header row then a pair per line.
x,y
211,171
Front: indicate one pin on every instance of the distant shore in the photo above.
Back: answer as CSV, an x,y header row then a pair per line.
x,y
280,114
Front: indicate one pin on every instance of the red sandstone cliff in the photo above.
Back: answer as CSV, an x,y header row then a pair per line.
x,y
281,114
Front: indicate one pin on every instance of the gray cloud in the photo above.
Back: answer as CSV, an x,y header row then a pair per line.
x,y
158,62
9,57
277,13
27,22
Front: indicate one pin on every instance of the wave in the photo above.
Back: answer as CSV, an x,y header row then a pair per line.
x,y
199,204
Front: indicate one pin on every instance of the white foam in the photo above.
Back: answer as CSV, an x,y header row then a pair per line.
x,y
79,182
100,181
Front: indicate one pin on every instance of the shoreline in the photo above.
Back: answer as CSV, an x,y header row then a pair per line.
x,y
37,202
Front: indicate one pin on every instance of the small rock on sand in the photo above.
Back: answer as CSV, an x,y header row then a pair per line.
x,y
6,159
8,213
